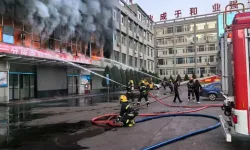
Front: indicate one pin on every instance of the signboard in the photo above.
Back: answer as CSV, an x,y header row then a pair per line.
x,y
46,54
230,17
85,79
3,79
107,81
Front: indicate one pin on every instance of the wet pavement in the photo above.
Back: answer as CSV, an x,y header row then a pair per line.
x,y
65,124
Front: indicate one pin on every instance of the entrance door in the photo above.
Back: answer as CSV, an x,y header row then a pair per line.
x,y
21,86
72,84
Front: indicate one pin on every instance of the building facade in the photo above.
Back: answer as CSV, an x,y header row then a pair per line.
x,y
187,46
134,37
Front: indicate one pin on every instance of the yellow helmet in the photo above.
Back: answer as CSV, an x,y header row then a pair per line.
x,y
123,98
142,81
131,81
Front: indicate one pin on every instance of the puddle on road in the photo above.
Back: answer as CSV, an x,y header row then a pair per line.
x,y
56,136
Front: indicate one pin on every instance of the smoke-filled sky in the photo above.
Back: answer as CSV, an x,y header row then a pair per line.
x,y
78,18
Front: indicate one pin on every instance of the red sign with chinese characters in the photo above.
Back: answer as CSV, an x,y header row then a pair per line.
x,y
193,11
177,13
46,54
163,16
233,4
216,7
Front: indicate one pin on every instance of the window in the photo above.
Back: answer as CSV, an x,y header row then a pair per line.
x,y
135,45
123,40
145,64
212,36
180,50
124,58
141,63
190,49
159,41
200,26
190,39
152,65
136,62
8,34
116,55
130,24
211,47
170,30
135,28
139,15
144,33
179,39
148,51
159,31
152,53
190,60
168,41
114,14
130,60
211,25
212,70
130,43
148,65
161,72
200,37
147,36
217,86
202,70
188,28
190,70
170,51
122,20
179,29
201,48
180,61
211,58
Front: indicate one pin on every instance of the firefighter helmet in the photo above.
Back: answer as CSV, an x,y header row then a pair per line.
x,y
131,81
123,98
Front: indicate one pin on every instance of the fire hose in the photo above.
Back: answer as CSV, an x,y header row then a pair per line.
x,y
109,120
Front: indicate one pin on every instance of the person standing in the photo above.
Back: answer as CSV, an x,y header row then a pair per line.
x,y
130,93
190,86
197,89
176,92
170,85
143,93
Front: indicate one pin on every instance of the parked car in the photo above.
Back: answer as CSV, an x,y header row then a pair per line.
x,y
212,91
157,86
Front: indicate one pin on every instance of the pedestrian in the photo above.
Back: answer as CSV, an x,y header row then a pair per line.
x,y
176,92
197,90
170,85
190,86
143,93
164,84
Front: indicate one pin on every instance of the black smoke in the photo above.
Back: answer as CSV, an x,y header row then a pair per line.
x,y
79,19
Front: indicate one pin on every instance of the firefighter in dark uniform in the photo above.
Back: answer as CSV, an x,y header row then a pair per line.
x,y
170,85
143,93
130,89
190,86
127,113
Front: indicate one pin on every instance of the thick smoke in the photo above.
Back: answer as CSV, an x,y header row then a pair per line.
x,y
78,19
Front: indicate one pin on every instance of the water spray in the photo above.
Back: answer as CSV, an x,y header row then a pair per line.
x,y
131,68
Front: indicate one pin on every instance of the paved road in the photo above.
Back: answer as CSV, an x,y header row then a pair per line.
x,y
152,132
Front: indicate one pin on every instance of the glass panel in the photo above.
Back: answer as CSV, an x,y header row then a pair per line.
x,y
26,86
32,86
16,86
70,85
10,86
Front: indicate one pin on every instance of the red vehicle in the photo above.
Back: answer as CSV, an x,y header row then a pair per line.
x,y
235,76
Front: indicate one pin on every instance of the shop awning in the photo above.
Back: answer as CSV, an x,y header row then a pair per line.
x,y
43,62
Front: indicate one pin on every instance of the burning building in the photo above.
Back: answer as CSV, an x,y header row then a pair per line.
x,y
35,35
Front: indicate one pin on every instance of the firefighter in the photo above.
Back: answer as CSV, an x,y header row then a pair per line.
x,y
170,85
143,93
190,86
176,92
127,113
130,89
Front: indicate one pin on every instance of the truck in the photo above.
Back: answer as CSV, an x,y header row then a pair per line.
x,y
235,76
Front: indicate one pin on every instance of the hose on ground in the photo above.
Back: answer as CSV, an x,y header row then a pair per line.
x,y
183,136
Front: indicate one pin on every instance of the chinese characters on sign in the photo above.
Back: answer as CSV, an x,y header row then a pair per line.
x,y
177,13
233,4
151,17
193,11
216,7
163,16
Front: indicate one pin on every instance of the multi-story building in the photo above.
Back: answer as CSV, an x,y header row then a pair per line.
x,y
187,46
134,37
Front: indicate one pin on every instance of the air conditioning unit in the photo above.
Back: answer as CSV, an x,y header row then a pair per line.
x,y
118,44
135,52
140,54
137,36
191,42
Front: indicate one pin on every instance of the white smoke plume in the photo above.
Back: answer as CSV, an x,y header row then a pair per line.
x,y
78,19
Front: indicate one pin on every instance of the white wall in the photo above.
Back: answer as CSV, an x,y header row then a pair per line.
x,y
4,92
